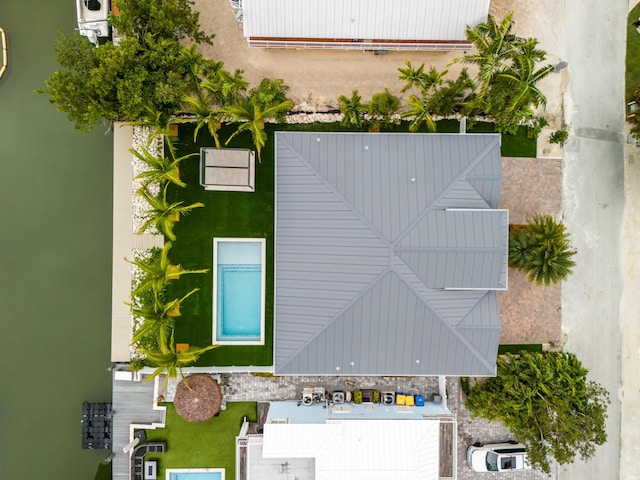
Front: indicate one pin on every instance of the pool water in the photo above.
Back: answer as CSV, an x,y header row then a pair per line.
x,y
238,307
238,291
195,475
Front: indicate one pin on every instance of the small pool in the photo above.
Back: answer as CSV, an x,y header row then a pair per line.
x,y
195,474
238,291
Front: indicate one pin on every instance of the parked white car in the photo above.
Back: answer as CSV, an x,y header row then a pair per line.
x,y
497,457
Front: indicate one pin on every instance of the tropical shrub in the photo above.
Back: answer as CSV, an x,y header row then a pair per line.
x,y
559,136
548,404
381,109
541,249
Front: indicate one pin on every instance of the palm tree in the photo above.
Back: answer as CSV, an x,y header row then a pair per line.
x,y
413,77
522,76
495,46
200,107
160,124
453,96
419,111
352,110
542,249
232,85
171,361
251,117
158,271
163,214
161,170
158,318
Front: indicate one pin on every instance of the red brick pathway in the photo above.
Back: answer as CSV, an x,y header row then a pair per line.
x,y
531,313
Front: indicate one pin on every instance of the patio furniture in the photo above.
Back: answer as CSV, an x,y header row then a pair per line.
x,y
138,469
229,169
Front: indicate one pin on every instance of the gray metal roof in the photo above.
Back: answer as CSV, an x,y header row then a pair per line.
x,y
363,19
389,249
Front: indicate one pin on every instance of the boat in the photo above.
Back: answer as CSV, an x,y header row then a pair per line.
x,y
5,59
93,19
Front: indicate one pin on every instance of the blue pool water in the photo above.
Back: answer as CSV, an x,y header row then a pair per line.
x,y
195,476
239,291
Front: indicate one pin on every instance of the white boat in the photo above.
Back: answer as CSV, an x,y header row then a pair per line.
x,y
93,18
5,60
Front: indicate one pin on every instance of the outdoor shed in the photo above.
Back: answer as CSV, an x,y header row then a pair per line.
x,y
390,250
362,24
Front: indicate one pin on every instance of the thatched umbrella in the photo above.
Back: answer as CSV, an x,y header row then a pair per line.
x,y
198,398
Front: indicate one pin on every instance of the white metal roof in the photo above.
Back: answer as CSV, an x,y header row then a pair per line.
x,y
360,449
438,20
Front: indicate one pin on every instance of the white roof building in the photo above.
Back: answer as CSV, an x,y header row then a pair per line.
x,y
362,24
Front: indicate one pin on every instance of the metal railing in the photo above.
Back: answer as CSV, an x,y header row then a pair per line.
x,y
367,46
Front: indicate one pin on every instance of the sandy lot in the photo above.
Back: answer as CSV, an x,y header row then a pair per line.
x,y
317,77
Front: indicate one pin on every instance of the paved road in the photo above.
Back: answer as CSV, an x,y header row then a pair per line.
x,y
595,34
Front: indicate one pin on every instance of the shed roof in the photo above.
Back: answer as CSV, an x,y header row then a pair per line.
x,y
440,20
389,249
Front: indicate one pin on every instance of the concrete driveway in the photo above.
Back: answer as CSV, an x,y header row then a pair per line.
x,y
595,36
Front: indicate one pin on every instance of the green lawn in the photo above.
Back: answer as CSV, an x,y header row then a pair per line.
x,y
209,444
632,75
225,214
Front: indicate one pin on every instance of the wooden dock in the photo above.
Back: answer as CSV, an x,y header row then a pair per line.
x,y
133,404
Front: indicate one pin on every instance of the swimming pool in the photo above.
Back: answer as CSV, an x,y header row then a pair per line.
x,y
195,474
238,291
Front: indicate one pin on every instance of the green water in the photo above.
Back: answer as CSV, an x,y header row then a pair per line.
x,y
55,248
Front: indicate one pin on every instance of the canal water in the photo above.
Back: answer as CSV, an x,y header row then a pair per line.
x,y
55,249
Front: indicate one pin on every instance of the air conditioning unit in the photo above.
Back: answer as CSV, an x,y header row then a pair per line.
x,y
338,396
307,396
387,398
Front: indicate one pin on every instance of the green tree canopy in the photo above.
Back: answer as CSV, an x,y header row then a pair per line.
x,y
169,19
146,75
548,404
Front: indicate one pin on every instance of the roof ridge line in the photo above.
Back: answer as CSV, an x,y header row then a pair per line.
x,y
337,315
452,328
352,209
474,163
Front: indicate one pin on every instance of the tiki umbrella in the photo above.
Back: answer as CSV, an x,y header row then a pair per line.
x,y
198,398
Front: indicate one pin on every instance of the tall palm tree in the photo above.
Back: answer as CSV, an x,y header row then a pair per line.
x,y
171,361
419,109
158,271
163,214
232,85
495,46
352,110
160,170
522,76
200,107
251,117
158,318
413,77
542,249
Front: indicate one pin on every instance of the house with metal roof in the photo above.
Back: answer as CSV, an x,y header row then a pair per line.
x,y
390,250
361,24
